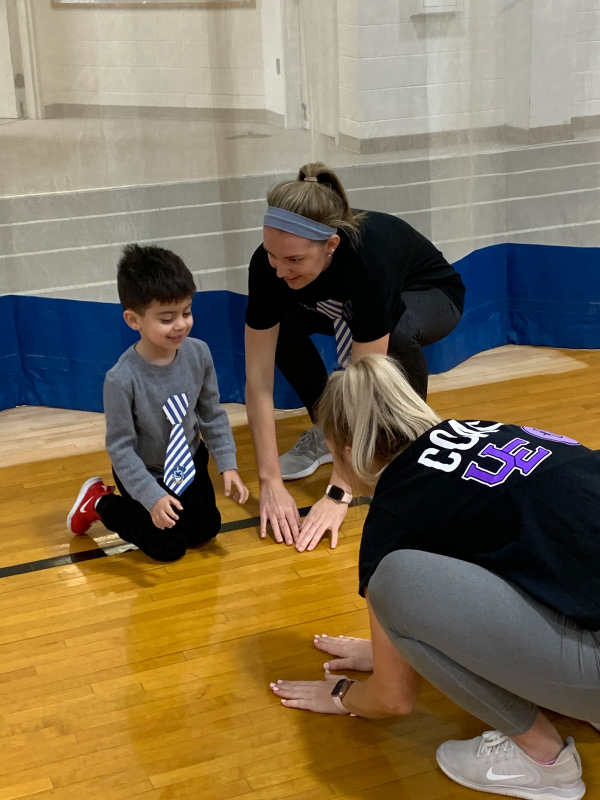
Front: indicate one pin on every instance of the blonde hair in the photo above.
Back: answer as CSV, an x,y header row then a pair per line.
x,y
321,199
372,408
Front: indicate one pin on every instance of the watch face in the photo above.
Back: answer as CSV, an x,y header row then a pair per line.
x,y
339,687
336,493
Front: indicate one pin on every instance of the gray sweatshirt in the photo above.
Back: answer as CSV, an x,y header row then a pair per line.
x,y
137,429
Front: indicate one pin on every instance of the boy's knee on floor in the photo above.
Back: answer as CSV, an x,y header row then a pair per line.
x,y
213,525
171,552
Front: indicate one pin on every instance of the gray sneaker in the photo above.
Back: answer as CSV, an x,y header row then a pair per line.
x,y
309,452
494,763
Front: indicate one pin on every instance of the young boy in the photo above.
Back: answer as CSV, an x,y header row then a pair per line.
x,y
160,396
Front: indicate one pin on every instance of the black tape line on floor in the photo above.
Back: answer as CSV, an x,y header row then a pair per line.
x,y
90,555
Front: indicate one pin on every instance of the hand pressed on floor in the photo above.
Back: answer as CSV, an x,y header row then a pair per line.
x,y
351,653
278,507
325,515
308,695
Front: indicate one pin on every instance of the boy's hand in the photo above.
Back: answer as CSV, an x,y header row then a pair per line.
x,y
231,478
163,512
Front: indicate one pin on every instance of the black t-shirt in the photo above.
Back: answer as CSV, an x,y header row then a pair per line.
x,y
518,501
392,257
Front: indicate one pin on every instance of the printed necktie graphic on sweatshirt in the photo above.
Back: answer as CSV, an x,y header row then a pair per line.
x,y
179,469
339,312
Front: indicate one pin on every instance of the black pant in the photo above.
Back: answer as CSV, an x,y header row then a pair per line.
x,y
430,315
199,521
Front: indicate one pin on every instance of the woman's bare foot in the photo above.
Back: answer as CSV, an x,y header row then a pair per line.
x,y
352,653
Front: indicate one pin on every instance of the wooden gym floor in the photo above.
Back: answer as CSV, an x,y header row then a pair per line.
x,y
125,679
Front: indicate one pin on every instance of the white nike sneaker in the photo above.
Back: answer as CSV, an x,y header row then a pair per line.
x,y
494,763
309,452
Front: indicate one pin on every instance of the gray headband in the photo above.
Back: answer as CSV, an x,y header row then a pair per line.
x,y
290,222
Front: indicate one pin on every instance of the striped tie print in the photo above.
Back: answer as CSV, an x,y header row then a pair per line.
x,y
343,335
179,464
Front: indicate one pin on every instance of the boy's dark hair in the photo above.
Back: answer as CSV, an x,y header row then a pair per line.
x,y
145,274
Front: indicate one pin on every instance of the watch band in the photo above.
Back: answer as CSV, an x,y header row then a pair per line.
x,y
338,494
339,692
339,705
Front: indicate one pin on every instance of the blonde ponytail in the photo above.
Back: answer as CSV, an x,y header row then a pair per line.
x,y
318,194
372,408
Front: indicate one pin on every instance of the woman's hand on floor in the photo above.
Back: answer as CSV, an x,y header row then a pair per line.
x,y
277,506
308,695
325,515
351,653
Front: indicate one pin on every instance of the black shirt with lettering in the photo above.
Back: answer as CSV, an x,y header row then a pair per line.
x,y
518,501
392,257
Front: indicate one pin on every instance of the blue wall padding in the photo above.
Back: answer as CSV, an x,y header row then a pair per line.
x,y
554,296
11,379
56,352
66,348
485,319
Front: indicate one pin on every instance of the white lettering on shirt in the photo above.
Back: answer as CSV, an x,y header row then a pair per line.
x,y
473,432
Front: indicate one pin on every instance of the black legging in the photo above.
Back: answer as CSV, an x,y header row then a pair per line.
x,y
199,521
430,315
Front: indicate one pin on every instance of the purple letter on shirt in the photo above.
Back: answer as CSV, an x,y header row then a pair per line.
x,y
513,456
551,437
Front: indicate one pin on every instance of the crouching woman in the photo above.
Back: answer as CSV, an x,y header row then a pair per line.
x,y
480,562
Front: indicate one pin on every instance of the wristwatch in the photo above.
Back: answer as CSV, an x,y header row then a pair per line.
x,y
338,494
339,692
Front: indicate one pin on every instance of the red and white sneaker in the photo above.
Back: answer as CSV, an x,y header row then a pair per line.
x,y
84,514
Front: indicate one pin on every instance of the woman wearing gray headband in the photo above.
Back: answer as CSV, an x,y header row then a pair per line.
x,y
367,278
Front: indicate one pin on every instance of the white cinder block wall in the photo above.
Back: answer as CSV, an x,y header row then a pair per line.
x,y
403,74
270,12
173,57
586,59
8,100
400,72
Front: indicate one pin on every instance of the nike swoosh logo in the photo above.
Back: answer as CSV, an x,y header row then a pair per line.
x,y
491,776
85,505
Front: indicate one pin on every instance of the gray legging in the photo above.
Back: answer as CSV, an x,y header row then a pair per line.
x,y
484,643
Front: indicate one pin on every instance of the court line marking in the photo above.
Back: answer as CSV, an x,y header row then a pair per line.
x,y
103,552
